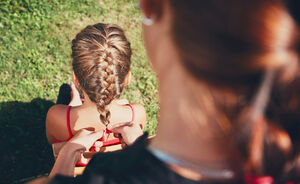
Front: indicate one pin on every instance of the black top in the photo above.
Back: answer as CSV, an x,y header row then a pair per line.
x,y
134,165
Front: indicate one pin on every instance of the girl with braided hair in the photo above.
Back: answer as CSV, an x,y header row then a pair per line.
x,y
101,63
229,85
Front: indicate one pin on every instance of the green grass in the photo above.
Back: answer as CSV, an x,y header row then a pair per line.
x,y
35,38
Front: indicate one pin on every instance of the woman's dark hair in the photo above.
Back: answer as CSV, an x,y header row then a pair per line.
x,y
294,6
101,60
229,45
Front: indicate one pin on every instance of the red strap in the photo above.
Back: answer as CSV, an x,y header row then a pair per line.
x,y
57,141
68,123
111,142
68,126
259,180
80,164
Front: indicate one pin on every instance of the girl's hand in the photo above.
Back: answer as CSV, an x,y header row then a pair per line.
x,y
128,132
77,139
70,153
87,139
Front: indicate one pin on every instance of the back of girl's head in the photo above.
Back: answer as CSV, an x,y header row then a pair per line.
x,y
101,60
229,45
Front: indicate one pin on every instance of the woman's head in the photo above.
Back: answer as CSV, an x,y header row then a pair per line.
x,y
101,60
243,35
229,45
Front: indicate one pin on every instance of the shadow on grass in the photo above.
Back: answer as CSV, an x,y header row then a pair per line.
x,y
25,150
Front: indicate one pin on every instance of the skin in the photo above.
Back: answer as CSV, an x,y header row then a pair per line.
x,y
182,116
86,116
183,130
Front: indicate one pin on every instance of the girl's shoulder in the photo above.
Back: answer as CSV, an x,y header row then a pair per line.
x,y
139,113
57,110
126,112
56,122
139,109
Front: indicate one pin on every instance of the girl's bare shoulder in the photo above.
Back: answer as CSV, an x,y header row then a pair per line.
x,y
56,118
139,113
56,111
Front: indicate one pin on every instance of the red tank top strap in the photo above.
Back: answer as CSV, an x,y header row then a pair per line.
x,y
68,126
68,123
132,109
57,141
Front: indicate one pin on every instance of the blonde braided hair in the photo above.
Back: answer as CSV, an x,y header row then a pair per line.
x,y
101,60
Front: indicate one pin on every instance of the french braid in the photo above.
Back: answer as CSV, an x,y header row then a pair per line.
x,y
101,60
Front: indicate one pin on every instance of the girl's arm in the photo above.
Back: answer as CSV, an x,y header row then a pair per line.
x,y
70,154
66,160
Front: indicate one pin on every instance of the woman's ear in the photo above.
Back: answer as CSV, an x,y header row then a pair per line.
x,y
127,79
151,8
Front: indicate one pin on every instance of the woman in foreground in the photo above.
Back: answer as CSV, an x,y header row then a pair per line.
x,y
229,106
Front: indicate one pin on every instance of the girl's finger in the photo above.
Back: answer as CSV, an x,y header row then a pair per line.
x,y
123,145
117,135
83,159
86,138
98,145
118,130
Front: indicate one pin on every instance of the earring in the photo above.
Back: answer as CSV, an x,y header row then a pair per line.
x,y
147,21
